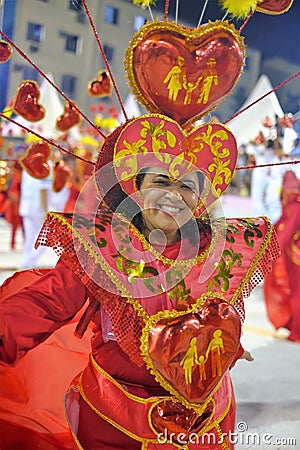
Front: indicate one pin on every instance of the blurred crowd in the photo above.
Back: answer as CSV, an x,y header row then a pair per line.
x,y
276,143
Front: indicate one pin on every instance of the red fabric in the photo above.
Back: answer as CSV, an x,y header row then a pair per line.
x,y
105,436
28,318
282,285
43,303
32,413
10,204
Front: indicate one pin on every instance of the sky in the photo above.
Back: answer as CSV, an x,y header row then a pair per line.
x,y
273,35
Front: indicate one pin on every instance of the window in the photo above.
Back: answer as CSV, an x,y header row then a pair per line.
x,y
69,85
109,52
30,73
111,15
34,32
27,72
71,43
138,22
75,5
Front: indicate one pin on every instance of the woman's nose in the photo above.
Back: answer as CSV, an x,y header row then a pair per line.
x,y
174,195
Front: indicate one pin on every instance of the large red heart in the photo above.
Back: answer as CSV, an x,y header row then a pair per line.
x,y
100,86
69,118
26,102
274,6
183,72
35,160
61,173
190,352
5,51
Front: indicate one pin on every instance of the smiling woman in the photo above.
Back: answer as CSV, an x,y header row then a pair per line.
x,y
168,205
165,280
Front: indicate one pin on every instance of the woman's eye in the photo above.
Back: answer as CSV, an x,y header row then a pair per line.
x,y
187,187
162,182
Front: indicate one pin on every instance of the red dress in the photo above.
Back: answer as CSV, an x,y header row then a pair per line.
x,y
116,401
10,206
282,285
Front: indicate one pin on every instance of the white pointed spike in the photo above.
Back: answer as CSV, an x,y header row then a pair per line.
x,y
150,12
202,13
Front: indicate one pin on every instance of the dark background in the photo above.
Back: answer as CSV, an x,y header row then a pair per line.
x,y
273,35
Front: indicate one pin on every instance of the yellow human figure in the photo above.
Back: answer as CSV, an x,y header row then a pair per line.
x,y
189,88
201,363
175,78
209,76
189,360
215,348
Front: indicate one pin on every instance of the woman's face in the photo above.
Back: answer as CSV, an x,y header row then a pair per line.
x,y
168,204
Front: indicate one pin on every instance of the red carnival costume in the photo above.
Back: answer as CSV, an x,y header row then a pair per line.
x,y
166,318
281,286
159,311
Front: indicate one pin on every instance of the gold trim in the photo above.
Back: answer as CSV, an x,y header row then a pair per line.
x,y
108,419
222,439
72,386
135,398
182,263
152,400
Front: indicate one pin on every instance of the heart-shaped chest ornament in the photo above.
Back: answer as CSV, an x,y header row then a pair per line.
x,y
181,72
188,353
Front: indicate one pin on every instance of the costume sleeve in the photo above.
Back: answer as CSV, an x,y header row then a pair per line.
x,y
33,313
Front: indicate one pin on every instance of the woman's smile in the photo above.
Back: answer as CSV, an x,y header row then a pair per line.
x,y
168,204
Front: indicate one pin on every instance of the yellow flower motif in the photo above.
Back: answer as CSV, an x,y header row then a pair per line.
x,y
130,150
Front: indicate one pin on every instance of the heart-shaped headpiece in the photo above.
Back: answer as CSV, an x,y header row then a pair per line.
x,y
181,72
158,141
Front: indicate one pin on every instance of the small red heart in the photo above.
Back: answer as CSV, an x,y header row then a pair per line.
x,y
26,103
5,51
35,160
100,86
274,6
61,173
69,118
174,419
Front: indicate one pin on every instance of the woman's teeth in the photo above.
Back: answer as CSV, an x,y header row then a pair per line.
x,y
170,209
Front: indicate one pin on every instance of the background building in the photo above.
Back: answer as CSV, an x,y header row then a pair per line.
x,y
57,36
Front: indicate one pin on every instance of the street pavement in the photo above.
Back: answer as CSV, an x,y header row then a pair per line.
x,y
267,389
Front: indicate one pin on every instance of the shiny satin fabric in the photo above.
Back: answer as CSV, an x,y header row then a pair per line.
x,y
32,415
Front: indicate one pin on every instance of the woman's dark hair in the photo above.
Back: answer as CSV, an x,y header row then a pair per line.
x,y
118,201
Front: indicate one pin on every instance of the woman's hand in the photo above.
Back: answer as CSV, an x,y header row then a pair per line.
x,y
247,356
